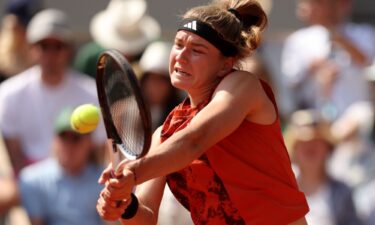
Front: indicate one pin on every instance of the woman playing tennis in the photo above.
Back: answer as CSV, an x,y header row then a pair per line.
x,y
221,150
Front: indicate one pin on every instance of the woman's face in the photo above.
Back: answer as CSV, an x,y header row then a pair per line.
x,y
311,155
324,12
195,64
157,88
72,150
52,55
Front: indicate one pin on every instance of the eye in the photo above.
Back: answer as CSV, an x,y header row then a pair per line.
x,y
178,44
198,50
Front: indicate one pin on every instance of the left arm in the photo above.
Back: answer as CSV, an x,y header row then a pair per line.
x,y
239,96
9,196
355,53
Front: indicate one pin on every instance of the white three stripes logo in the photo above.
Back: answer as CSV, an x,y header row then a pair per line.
x,y
191,25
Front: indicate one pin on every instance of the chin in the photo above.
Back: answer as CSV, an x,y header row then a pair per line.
x,y
178,84
64,163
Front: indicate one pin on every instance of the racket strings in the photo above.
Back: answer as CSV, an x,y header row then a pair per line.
x,y
124,111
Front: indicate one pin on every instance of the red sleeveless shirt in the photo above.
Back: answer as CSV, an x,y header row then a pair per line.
x,y
246,178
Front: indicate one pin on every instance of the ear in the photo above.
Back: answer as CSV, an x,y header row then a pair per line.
x,y
227,66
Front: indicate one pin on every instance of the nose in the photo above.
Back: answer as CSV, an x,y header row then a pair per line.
x,y
182,54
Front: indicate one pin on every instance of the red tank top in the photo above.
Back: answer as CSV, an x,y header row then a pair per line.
x,y
246,178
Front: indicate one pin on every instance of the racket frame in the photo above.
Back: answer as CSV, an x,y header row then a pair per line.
x,y
114,139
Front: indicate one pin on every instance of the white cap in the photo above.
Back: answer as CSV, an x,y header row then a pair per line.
x,y
156,58
49,23
125,26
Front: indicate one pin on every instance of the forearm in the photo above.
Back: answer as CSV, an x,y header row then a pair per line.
x,y
172,155
357,55
9,194
144,216
16,156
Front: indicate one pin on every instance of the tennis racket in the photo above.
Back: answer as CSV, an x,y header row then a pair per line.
x,y
126,117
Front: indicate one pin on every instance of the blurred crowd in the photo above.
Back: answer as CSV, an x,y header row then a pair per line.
x,y
328,66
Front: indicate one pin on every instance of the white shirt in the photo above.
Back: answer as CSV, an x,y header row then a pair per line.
x,y
308,44
28,108
353,159
320,210
364,199
50,194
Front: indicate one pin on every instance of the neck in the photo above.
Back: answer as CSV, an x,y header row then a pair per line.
x,y
310,182
53,78
200,95
75,170
333,26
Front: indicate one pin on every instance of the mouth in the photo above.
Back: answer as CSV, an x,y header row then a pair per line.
x,y
180,72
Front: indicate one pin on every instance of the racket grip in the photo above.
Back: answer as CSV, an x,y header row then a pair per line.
x,y
115,156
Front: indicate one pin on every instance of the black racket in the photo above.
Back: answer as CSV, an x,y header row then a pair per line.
x,y
126,117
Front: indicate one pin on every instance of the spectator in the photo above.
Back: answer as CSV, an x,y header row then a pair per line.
x,y
14,49
310,145
158,91
63,189
371,221
30,101
323,62
124,25
355,162
354,158
365,201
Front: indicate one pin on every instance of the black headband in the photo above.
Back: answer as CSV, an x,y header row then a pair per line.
x,y
205,31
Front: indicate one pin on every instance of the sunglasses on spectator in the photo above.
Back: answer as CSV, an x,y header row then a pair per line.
x,y
70,136
52,46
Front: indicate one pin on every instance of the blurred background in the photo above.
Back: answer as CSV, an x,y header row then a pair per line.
x,y
328,118
282,17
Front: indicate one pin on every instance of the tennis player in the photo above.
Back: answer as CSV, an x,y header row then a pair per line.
x,y
220,151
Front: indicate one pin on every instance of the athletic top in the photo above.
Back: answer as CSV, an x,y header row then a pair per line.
x,y
246,178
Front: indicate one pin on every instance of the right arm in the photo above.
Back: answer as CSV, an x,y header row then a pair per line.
x,y
11,131
16,155
149,196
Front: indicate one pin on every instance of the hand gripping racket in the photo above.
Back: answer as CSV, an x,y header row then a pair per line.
x,y
126,117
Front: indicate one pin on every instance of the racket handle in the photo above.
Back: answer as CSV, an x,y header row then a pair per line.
x,y
115,155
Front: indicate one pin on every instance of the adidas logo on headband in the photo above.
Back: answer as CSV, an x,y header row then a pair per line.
x,y
205,31
191,25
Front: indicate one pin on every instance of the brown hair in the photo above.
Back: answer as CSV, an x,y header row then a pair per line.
x,y
242,30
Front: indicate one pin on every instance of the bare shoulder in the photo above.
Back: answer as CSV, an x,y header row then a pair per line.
x,y
244,90
240,81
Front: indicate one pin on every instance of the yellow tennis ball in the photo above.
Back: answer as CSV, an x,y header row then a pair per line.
x,y
85,118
